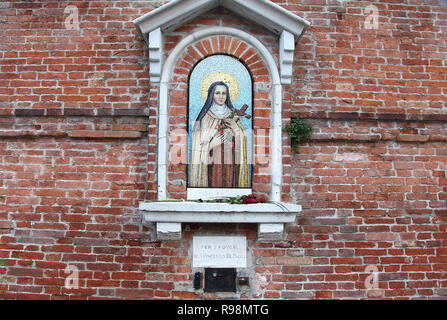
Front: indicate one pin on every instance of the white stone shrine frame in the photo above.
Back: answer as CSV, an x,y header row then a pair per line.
x,y
169,215
276,143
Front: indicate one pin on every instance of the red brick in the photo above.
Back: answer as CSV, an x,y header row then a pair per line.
x,y
323,295
25,272
382,236
6,224
184,295
412,138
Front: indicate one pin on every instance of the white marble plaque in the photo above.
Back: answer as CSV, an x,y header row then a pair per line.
x,y
219,251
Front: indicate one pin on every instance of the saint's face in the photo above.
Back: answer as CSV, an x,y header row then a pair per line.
x,y
220,94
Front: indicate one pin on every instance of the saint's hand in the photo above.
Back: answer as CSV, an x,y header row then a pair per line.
x,y
228,136
216,141
232,124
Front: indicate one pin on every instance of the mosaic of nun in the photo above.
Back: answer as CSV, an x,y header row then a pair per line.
x,y
219,143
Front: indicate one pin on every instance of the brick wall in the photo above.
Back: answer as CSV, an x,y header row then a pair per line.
x,y
78,130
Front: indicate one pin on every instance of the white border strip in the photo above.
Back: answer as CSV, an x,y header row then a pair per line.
x,y
215,193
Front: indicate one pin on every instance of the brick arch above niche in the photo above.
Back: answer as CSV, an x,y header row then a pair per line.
x,y
226,45
198,51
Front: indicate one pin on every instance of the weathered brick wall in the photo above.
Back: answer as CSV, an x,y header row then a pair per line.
x,y
372,182
78,130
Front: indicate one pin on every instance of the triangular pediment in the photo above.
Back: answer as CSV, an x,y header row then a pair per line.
x,y
263,12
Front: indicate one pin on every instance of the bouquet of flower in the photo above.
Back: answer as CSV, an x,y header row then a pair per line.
x,y
252,199
221,127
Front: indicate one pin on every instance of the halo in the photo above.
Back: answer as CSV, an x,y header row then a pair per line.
x,y
220,76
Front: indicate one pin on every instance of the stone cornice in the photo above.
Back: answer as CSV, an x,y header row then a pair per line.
x,y
169,216
263,12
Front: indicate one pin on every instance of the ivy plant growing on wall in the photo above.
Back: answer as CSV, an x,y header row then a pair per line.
x,y
299,132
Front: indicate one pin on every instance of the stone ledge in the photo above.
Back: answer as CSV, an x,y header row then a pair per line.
x,y
95,134
422,138
32,133
366,116
169,216
74,112
92,134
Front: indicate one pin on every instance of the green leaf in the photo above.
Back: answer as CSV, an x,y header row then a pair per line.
x,y
299,132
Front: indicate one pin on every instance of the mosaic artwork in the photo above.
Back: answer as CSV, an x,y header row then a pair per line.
x,y
220,124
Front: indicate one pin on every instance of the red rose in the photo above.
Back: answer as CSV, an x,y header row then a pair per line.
x,y
249,199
